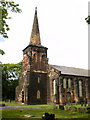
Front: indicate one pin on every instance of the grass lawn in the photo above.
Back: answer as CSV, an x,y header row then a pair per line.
x,y
16,104
37,113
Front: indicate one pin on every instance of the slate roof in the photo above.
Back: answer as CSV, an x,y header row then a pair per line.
x,y
72,70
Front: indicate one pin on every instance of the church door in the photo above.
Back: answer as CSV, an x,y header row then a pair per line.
x,y
22,96
68,97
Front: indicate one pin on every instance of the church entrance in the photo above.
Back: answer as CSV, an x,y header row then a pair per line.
x,y
68,97
22,96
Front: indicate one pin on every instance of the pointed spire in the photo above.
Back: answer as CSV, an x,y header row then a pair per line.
x,y
35,35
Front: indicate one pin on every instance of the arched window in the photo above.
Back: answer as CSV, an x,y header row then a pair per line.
x,y
35,57
64,83
38,94
69,83
43,56
54,87
39,79
80,88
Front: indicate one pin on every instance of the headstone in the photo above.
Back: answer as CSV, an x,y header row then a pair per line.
x,y
61,107
88,109
89,103
48,116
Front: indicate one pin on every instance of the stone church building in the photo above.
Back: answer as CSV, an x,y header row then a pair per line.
x,y
41,83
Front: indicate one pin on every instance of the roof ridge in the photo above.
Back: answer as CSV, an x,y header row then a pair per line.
x,y
68,67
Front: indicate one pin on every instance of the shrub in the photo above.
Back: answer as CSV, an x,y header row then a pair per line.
x,y
2,105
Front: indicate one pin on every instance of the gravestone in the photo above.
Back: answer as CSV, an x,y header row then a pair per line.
x,y
48,116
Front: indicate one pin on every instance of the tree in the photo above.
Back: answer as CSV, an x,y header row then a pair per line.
x,y
10,78
5,7
2,52
88,19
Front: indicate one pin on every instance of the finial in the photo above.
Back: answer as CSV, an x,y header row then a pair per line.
x,y
35,10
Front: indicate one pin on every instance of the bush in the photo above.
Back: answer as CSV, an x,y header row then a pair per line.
x,y
2,105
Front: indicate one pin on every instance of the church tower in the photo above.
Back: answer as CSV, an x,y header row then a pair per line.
x,y
32,88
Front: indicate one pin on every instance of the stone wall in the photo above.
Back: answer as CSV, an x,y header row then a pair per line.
x,y
33,77
69,88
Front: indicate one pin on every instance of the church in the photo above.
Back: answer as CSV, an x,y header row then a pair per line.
x,y
42,83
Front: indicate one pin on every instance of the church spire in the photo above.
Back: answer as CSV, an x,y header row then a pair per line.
x,y
35,35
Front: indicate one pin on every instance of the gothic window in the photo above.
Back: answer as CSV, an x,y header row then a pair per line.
x,y
54,87
43,56
64,83
38,79
43,61
38,94
80,88
69,83
35,57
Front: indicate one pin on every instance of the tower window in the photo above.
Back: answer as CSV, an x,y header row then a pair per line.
x,y
35,57
43,56
38,94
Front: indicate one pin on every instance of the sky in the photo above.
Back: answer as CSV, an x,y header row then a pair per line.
x,y
63,31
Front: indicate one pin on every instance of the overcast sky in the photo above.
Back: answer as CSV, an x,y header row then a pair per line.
x,y
62,28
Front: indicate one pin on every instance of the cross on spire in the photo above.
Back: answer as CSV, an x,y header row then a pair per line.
x,y
36,10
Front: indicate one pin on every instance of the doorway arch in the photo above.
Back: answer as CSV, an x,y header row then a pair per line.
x,y
68,97
22,96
